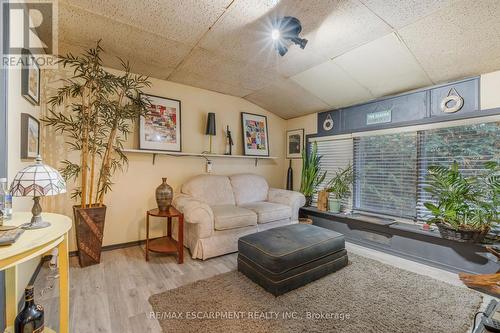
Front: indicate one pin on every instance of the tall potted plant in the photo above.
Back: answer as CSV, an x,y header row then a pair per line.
x,y
311,176
339,187
464,208
99,108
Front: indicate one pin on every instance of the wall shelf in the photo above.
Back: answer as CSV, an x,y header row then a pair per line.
x,y
203,155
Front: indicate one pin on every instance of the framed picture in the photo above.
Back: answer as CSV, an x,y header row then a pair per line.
x,y
255,137
30,78
30,136
294,143
161,128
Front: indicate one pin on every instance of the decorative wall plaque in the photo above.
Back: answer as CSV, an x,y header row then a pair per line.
x,y
452,102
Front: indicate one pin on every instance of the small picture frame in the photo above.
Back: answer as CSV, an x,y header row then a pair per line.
x,y
30,78
255,134
160,129
30,136
294,143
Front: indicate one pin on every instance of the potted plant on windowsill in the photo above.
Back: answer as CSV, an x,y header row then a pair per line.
x,y
311,176
464,208
339,188
96,109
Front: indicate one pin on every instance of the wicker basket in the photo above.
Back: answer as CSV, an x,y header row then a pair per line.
x,y
464,236
304,220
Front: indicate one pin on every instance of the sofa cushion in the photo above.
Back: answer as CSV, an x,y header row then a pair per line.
x,y
249,188
268,211
214,190
231,217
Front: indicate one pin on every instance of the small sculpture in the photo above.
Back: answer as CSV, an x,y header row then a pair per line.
x,y
229,142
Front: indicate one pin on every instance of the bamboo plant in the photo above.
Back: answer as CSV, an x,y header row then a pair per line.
x,y
311,176
98,110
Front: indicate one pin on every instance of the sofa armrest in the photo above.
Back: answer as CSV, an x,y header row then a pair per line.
x,y
196,212
290,198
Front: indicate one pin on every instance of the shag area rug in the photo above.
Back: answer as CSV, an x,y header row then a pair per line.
x,y
365,296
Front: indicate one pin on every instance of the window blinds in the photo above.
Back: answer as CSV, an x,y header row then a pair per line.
x,y
470,146
337,154
385,174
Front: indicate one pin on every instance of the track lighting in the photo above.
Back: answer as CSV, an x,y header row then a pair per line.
x,y
286,30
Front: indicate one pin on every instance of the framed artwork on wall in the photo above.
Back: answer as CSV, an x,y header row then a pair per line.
x,y
294,143
160,129
255,136
30,78
30,136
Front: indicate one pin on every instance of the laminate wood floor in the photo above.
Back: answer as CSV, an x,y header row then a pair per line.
x,y
113,296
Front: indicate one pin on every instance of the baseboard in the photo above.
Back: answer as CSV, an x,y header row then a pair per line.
x,y
116,246
33,277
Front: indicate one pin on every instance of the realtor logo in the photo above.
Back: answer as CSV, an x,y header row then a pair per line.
x,y
29,25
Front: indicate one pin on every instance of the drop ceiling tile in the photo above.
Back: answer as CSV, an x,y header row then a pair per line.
x,y
332,28
333,85
118,39
459,41
213,66
384,66
184,22
287,99
199,81
335,27
400,13
111,61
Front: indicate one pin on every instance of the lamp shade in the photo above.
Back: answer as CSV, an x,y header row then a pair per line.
x,y
210,124
37,180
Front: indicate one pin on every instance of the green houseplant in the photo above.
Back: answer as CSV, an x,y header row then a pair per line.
x,y
339,187
311,176
94,109
464,208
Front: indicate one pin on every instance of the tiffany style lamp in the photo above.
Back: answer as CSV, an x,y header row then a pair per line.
x,y
37,180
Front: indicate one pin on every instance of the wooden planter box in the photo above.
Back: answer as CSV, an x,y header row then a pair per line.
x,y
89,223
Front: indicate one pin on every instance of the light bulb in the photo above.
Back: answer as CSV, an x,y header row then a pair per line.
x,y
275,34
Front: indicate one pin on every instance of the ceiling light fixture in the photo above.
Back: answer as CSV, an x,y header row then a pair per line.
x,y
286,30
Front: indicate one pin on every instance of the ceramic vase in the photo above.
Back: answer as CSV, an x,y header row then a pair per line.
x,y
164,194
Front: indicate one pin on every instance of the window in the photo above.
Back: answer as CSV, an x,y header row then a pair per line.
x,y
470,146
390,170
385,174
337,154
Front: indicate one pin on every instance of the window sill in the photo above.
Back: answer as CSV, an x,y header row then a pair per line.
x,y
390,224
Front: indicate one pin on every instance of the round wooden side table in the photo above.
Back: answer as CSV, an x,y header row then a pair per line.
x,y
166,244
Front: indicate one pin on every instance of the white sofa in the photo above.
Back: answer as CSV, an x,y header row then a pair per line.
x,y
220,209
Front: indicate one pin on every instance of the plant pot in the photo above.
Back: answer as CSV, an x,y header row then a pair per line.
x,y
334,205
464,236
89,224
309,200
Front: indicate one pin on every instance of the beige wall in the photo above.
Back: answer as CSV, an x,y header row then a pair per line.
x,y
17,105
308,123
133,192
490,90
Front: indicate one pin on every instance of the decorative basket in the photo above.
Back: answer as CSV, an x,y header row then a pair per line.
x,y
464,236
304,220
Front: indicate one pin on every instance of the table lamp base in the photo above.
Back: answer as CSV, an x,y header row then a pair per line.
x,y
36,220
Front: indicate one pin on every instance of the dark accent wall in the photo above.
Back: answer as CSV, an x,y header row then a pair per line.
x,y
413,108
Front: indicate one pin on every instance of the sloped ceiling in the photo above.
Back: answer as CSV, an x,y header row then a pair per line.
x,y
358,49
